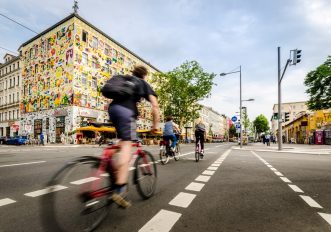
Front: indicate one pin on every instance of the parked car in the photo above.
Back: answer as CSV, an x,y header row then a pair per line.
x,y
3,140
18,140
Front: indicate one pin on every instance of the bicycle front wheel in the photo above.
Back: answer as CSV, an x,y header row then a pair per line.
x,y
145,174
84,201
177,153
164,157
197,156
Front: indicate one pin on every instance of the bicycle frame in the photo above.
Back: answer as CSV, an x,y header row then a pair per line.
x,y
106,167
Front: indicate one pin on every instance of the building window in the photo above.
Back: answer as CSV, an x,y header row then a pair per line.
x,y
84,58
9,115
95,42
84,36
18,80
18,114
94,62
94,83
10,83
6,116
13,66
9,68
9,98
107,50
13,97
36,68
18,96
18,64
93,102
84,78
14,81
83,100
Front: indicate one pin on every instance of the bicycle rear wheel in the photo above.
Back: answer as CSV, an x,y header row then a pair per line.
x,y
145,175
84,202
164,157
197,156
177,153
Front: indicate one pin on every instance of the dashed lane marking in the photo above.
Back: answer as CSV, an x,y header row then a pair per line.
x,y
83,181
182,199
45,191
285,179
210,173
278,174
202,178
6,201
310,201
326,217
18,164
195,186
212,168
295,188
163,221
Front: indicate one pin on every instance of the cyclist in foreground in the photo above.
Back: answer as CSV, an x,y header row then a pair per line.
x,y
123,113
200,131
170,128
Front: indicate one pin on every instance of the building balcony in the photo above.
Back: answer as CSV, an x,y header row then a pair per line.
x,y
9,105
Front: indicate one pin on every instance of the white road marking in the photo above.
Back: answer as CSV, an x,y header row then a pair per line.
x,y
182,199
45,191
278,174
209,173
9,165
104,174
195,186
163,221
215,165
274,169
83,181
268,165
310,201
326,217
295,188
202,178
285,180
212,168
6,201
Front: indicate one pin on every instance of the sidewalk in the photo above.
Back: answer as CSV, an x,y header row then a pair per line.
x,y
289,148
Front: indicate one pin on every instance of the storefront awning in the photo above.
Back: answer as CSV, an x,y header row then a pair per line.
x,y
93,128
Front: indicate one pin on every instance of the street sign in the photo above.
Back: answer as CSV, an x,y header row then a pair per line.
x,y
234,119
238,130
237,126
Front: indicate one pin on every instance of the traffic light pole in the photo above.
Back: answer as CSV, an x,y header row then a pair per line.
x,y
279,105
280,78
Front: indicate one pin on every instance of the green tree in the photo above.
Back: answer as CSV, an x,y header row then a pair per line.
x,y
246,122
180,90
261,124
232,131
318,82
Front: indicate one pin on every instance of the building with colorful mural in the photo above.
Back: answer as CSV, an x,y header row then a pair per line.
x,y
309,128
10,92
64,68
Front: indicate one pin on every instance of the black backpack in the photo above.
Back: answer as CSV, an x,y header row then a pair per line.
x,y
121,86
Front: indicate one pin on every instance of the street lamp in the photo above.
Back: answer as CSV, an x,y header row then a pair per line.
x,y
223,74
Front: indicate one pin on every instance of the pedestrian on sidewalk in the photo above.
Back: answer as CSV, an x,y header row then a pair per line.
x,y
267,139
42,139
62,136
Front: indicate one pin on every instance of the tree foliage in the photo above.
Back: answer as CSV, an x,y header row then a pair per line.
x,y
180,90
318,82
232,131
261,124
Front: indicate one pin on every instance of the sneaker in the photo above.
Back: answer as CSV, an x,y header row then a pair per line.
x,y
119,197
173,149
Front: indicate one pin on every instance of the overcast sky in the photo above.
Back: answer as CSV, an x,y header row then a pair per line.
x,y
219,34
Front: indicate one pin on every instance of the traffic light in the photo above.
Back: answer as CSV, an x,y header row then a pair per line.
x,y
287,116
275,116
296,56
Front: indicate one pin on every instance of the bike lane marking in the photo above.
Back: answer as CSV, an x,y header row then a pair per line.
x,y
160,221
83,181
45,191
163,221
310,201
6,201
18,164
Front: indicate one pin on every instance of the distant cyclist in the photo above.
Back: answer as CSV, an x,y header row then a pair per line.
x,y
200,131
169,132
123,113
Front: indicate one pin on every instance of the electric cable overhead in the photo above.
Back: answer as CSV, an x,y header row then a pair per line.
x,y
9,50
18,23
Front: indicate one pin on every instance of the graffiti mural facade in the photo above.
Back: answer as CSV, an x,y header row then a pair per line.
x,y
63,71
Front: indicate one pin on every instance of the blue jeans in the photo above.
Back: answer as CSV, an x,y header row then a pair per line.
x,y
172,138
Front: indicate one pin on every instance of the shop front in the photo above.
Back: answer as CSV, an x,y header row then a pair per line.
x,y
60,116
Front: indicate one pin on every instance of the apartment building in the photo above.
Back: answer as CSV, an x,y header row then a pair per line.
x,y
10,94
63,70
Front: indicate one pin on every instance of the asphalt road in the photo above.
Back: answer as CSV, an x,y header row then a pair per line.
x,y
229,190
